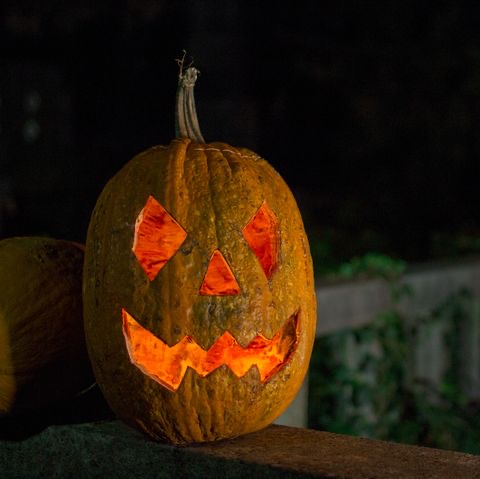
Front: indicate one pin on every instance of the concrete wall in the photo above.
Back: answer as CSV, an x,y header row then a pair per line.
x,y
354,304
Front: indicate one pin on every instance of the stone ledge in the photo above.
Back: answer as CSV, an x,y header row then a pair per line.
x,y
111,449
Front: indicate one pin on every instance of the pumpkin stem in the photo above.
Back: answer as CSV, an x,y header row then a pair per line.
x,y
186,121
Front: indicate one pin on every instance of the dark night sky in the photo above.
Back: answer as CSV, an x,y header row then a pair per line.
x,y
369,110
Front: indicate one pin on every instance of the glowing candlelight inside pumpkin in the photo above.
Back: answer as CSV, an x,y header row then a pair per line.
x,y
261,233
219,279
168,365
157,237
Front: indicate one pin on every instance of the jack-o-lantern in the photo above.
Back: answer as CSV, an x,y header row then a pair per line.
x,y
199,297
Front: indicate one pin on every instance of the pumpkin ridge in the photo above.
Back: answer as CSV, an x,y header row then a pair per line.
x,y
172,166
217,196
211,195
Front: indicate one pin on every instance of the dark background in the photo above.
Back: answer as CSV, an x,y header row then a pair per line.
x,y
368,109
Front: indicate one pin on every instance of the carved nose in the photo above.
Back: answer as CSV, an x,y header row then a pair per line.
x,y
219,279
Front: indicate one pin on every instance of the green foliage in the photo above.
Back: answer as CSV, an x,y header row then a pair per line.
x,y
362,381
373,265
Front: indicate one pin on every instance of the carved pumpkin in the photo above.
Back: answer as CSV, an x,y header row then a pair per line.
x,y
43,357
199,298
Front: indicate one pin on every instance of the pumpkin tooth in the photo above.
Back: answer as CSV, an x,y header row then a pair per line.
x,y
168,364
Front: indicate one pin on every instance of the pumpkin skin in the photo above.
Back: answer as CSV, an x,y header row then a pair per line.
x,y
43,357
211,190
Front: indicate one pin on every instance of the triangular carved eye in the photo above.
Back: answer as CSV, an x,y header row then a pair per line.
x,y
261,233
157,237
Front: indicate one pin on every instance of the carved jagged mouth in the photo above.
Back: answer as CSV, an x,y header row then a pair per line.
x,y
168,364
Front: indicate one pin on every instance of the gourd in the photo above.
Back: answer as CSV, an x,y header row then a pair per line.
x,y
199,297
43,357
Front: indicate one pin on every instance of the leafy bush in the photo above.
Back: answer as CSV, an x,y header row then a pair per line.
x,y
362,381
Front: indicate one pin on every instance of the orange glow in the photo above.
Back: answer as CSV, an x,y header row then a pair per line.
x,y
219,279
157,237
261,233
167,365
